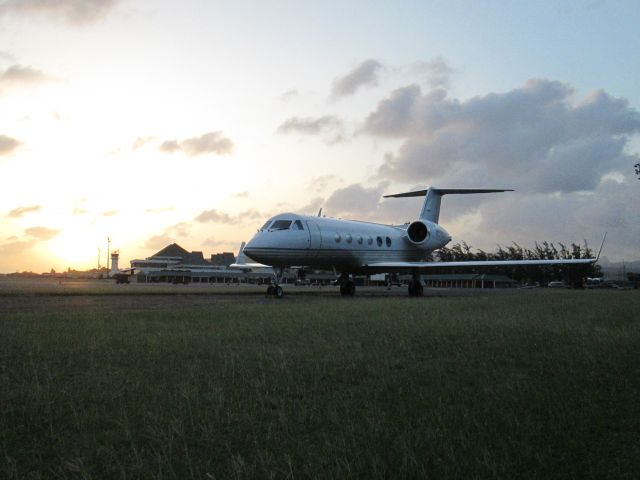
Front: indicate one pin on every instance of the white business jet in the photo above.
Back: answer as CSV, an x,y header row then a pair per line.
x,y
355,247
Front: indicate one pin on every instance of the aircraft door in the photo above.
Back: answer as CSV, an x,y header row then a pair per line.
x,y
315,238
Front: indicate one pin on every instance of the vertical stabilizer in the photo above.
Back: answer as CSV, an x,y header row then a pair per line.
x,y
433,198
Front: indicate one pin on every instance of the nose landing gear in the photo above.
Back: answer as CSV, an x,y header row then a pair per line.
x,y
275,289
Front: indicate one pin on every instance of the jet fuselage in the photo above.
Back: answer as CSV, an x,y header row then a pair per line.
x,y
291,239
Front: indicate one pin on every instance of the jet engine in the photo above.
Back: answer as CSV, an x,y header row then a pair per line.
x,y
418,232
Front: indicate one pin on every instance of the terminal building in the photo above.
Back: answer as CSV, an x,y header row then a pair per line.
x,y
174,264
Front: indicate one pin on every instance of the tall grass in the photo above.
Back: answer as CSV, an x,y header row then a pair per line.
x,y
506,386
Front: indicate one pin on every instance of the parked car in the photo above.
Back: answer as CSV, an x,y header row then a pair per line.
x,y
556,285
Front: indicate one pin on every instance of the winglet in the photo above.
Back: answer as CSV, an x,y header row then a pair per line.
x,y
240,259
601,245
320,212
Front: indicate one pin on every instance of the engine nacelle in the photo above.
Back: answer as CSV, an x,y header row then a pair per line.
x,y
418,232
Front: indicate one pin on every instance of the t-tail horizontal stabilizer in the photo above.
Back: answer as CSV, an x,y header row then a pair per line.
x,y
433,197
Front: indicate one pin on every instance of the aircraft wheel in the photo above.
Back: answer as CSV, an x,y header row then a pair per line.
x,y
279,292
270,290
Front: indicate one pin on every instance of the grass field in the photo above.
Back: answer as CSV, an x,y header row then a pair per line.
x,y
526,385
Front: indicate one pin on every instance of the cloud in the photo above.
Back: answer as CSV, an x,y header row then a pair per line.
x,y
17,247
321,182
41,233
73,12
19,75
6,56
244,194
169,236
328,125
159,210
216,216
21,211
289,95
364,74
157,242
141,142
8,145
535,138
437,71
109,213
212,142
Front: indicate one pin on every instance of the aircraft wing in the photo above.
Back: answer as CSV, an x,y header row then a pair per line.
x,y
247,267
386,266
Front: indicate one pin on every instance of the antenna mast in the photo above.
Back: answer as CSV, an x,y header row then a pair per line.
x,y
108,250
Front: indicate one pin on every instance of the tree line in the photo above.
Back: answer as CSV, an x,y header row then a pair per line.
x,y
570,274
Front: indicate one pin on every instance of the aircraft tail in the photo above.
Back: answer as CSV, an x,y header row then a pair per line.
x,y
433,197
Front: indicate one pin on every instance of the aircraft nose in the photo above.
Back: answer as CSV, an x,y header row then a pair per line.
x,y
252,245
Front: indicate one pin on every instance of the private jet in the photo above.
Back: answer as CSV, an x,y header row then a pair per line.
x,y
354,247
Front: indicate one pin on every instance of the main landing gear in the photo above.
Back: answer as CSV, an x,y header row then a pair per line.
x,y
415,286
347,286
275,289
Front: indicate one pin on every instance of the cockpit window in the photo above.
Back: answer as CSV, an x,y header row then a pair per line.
x,y
266,225
297,225
281,225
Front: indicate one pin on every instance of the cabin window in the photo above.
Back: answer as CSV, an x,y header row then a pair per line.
x,y
281,225
266,225
349,238
388,240
337,237
297,225
370,240
360,239
379,241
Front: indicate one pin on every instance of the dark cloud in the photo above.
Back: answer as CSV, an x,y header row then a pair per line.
x,y
612,207
73,12
437,72
8,145
329,126
534,138
21,211
41,233
365,73
212,142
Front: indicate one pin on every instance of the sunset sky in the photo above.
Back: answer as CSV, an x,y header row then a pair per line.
x,y
155,121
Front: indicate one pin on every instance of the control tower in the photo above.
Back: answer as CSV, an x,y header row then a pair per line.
x,y
114,263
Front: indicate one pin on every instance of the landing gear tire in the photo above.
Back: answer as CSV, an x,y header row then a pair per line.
x,y
278,292
348,289
415,289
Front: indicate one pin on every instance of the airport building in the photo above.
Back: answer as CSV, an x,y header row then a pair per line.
x,y
174,264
